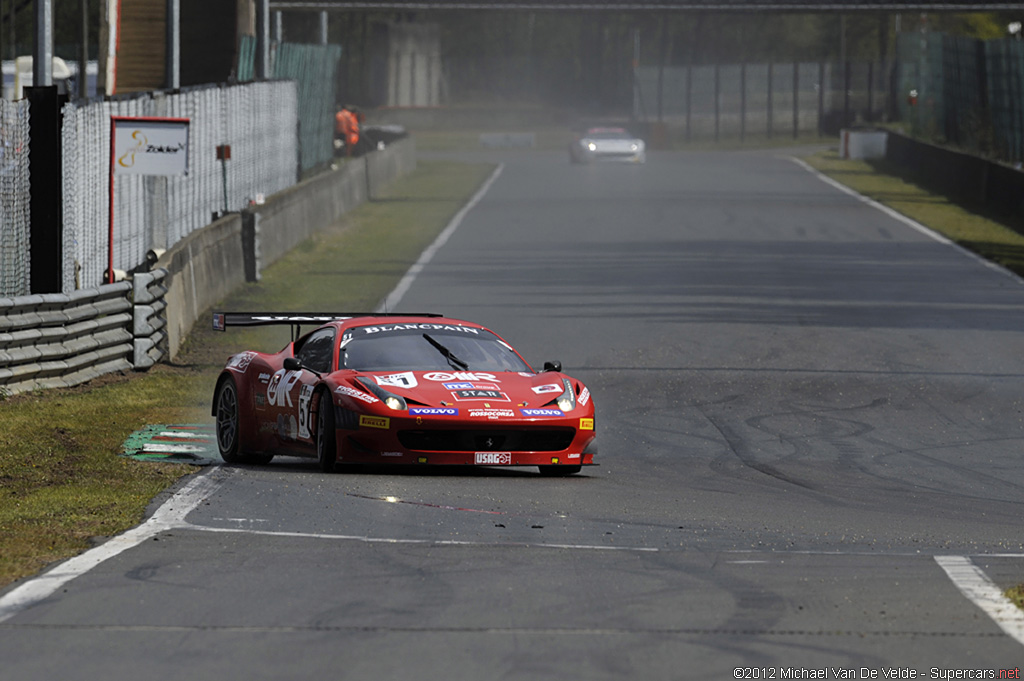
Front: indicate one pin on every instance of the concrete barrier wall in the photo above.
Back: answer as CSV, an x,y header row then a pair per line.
x,y
982,184
214,261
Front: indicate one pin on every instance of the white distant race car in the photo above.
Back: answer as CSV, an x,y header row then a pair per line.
x,y
607,144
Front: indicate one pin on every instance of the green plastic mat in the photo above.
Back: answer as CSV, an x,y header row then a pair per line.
x,y
192,443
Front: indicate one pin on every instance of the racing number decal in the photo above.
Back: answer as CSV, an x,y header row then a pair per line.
x,y
305,396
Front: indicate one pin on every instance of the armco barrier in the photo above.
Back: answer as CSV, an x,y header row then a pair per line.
x,y
210,263
60,340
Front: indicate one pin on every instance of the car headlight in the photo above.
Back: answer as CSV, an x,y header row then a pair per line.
x,y
393,401
567,400
634,147
591,146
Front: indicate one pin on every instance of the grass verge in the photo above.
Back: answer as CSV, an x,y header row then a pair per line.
x,y
988,238
62,483
1016,595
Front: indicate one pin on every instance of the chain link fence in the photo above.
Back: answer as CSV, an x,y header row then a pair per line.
x,y
258,120
314,68
14,198
736,100
965,92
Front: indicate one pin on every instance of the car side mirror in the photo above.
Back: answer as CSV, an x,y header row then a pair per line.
x,y
292,364
552,366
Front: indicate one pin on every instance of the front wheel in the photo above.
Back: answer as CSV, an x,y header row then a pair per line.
x,y
559,471
229,428
227,421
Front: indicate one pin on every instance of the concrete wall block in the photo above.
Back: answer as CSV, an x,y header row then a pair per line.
x,y
147,319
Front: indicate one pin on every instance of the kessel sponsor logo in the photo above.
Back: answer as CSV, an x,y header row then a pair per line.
x,y
542,412
433,411
469,395
491,413
586,424
381,422
493,458
356,394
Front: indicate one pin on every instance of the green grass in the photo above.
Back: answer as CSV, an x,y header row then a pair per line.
x,y
988,238
1016,595
62,483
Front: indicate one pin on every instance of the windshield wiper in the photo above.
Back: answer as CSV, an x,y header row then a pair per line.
x,y
448,354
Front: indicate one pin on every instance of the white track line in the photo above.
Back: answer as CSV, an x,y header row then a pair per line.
x,y
395,297
979,589
171,514
909,222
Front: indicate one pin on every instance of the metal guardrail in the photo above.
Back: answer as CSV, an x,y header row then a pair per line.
x,y
60,340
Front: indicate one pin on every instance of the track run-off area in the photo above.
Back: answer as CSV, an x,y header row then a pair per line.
x,y
810,426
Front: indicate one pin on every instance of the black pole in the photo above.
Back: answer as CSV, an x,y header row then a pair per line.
x,y
45,189
83,51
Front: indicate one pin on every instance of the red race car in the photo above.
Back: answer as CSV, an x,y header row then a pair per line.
x,y
402,389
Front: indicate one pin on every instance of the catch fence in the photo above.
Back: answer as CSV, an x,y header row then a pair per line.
x,y
763,99
259,121
314,68
964,92
14,198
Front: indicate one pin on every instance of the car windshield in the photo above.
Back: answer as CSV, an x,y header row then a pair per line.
x,y
608,135
427,349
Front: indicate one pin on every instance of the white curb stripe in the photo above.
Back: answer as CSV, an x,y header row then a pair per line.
x,y
909,222
979,589
393,298
171,514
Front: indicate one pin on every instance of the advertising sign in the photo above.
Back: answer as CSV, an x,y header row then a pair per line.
x,y
150,146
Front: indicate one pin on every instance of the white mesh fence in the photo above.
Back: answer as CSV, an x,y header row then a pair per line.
x,y
258,120
14,199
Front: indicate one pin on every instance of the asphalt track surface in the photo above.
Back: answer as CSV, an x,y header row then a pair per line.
x,y
810,427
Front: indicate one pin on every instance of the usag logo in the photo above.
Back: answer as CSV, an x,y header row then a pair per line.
x,y
494,458
382,422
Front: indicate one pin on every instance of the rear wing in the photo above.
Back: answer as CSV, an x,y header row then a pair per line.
x,y
222,320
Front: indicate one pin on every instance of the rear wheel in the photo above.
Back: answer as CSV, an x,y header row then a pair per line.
x,y
326,435
559,471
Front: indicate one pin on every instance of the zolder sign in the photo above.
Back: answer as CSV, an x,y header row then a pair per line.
x,y
150,146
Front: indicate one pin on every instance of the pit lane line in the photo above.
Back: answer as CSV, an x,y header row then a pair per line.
x,y
392,299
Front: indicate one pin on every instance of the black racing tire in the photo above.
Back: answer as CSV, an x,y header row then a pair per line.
x,y
229,426
227,420
326,434
559,471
